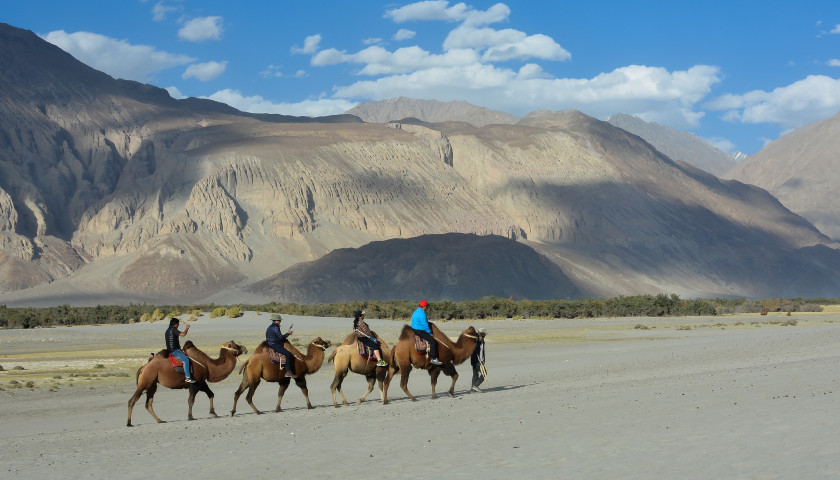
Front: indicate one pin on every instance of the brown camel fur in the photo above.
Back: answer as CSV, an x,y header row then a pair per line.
x,y
205,369
347,359
405,356
259,367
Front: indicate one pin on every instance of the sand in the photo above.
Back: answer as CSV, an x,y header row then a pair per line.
x,y
722,397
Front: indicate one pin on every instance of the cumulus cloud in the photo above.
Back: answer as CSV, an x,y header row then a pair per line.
x,y
117,58
204,72
161,9
428,10
652,93
310,45
201,29
257,104
834,62
814,98
404,34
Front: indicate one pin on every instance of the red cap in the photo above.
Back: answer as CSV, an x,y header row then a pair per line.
x,y
424,303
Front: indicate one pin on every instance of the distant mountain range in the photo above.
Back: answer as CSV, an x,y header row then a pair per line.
x,y
113,192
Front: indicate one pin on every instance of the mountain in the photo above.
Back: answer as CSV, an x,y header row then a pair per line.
x,y
802,170
445,266
429,111
676,144
112,191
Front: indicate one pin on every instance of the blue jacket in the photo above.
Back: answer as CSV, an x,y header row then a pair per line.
x,y
275,337
419,320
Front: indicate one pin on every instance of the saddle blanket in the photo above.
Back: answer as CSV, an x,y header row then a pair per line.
x,y
365,351
275,357
421,345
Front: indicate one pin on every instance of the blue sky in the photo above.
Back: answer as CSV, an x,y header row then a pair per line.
x,y
738,73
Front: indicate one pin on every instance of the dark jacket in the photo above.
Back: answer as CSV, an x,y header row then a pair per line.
x,y
275,337
172,339
477,356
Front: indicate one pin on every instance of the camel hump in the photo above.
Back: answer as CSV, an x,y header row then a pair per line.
x,y
188,344
407,332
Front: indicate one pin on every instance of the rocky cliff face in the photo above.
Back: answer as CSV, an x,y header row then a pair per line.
x,y
802,170
114,188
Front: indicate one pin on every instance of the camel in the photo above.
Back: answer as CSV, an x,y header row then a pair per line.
x,y
404,356
205,369
347,359
259,367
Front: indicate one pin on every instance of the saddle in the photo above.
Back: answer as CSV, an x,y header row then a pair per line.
x,y
421,345
177,364
275,357
365,351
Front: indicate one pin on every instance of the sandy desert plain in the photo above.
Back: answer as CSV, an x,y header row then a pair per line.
x,y
735,397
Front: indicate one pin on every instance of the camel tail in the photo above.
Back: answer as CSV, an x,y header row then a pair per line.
x,y
332,356
244,366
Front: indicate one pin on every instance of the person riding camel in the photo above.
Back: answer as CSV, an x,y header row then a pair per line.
x,y
173,345
366,337
420,325
275,339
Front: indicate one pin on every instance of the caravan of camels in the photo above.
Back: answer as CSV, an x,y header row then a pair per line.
x,y
362,352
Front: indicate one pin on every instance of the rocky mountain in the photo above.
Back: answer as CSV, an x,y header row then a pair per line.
x,y
802,170
113,191
676,144
429,111
444,266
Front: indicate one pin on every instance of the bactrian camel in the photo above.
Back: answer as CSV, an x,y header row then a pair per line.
x,y
205,369
404,357
259,367
347,359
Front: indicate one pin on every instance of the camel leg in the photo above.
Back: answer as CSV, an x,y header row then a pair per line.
x,y
250,396
301,383
404,383
150,397
237,393
201,387
371,381
454,376
336,385
131,401
284,384
380,377
434,373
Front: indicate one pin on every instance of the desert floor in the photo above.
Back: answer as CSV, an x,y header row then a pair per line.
x,y
735,397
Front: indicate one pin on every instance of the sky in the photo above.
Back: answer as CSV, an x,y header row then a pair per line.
x,y
737,73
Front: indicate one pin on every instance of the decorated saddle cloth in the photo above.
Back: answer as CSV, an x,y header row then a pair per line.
x,y
421,345
275,357
365,351
177,364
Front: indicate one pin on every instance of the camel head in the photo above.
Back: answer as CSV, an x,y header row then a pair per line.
x,y
235,348
321,343
470,332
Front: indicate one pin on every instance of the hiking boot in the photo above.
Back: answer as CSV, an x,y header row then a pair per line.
x,y
435,361
382,363
290,375
189,380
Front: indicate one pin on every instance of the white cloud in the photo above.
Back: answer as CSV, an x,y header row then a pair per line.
x,y
205,72
428,10
301,74
310,45
814,98
834,62
652,93
175,93
201,29
272,71
307,108
836,29
117,58
404,34
722,144
372,41
160,10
